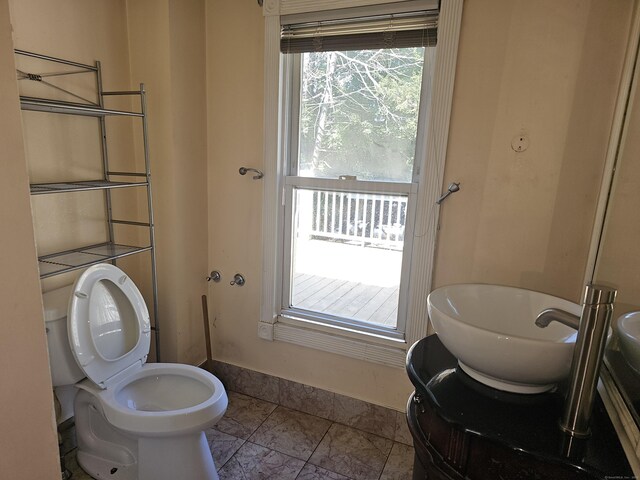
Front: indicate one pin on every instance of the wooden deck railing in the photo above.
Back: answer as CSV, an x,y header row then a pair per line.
x,y
368,219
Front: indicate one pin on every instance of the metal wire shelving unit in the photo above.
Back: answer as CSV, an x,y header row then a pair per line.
x,y
84,256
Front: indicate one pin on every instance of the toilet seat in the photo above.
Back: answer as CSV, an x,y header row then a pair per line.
x,y
201,411
108,324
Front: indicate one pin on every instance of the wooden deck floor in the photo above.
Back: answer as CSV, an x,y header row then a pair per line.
x,y
368,303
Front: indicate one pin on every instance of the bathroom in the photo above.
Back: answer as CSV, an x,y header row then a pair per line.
x,y
546,70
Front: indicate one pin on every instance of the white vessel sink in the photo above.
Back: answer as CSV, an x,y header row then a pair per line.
x,y
491,330
628,327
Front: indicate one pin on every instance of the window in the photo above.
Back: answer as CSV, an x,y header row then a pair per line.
x,y
347,160
351,183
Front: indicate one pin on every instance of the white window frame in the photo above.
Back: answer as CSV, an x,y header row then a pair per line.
x,y
370,346
291,76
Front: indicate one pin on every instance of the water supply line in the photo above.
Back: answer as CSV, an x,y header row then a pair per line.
x,y
597,308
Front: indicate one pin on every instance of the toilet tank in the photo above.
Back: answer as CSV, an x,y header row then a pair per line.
x,y
64,369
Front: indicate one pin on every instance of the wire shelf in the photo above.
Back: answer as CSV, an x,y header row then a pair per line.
x,y
43,188
70,260
81,99
69,108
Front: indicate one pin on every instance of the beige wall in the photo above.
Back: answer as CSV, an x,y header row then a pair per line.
x,y
28,443
167,44
188,79
546,69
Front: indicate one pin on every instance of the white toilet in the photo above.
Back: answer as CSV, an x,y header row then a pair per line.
x,y
134,421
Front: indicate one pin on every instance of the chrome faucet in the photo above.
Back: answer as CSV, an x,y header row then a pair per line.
x,y
547,316
592,326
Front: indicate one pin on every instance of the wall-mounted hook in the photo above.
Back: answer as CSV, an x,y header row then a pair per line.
x,y
215,276
258,174
238,280
453,188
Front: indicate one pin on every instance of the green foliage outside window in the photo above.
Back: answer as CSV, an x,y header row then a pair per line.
x,y
359,113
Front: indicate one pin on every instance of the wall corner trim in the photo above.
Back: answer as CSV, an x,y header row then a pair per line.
x,y
271,8
432,172
265,331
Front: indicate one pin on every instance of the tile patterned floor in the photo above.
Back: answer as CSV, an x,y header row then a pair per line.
x,y
259,440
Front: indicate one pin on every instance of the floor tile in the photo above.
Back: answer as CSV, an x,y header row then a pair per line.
x,y
313,472
280,439
403,435
249,382
306,399
399,465
254,462
225,372
291,432
68,438
72,465
222,446
351,452
364,416
244,415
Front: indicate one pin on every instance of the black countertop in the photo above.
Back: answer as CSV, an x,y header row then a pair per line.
x,y
527,423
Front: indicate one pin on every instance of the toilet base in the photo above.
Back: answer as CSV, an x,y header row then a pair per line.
x,y
159,459
99,467
107,452
176,457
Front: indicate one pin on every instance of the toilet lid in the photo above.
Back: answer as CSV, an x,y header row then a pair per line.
x,y
108,323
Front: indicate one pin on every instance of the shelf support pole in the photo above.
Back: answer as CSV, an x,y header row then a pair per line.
x,y
152,234
105,154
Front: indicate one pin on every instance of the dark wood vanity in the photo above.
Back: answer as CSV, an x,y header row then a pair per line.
x,y
465,430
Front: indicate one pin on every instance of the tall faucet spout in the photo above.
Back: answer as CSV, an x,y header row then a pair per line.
x,y
550,314
597,307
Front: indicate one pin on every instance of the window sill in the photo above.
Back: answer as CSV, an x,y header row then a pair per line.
x,y
371,348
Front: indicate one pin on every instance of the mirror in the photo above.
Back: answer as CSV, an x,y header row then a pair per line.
x,y
618,254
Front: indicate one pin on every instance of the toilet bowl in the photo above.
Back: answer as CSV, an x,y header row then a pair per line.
x,y
134,421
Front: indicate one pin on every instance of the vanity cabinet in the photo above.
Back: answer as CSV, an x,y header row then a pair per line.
x,y
465,430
